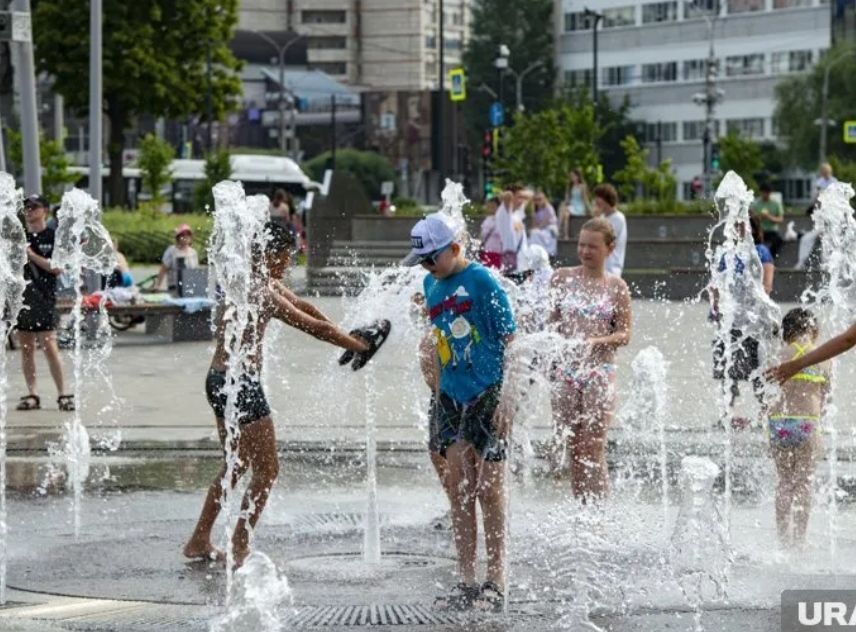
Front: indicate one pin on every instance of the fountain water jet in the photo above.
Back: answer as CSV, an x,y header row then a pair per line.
x,y
82,243
13,245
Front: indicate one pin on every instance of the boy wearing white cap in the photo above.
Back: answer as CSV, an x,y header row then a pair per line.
x,y
472,326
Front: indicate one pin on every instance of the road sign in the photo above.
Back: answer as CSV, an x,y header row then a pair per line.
x,y
387,187
850,131
457,80
15,26
497,114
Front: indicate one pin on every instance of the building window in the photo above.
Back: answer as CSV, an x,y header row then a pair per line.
x,y
330,67
430,41
577,78
619,16
577,21
452,44
799,60
663,132
791,4
694,130
700,8
659,12
740,65
656,73
745,6
747,127
458,18
617,75
326,42
323,17
695,69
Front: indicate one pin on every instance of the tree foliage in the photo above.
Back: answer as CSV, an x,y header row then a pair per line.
x,y
525,26
638,180
541,148
55,174
799,107
155,158
218,167
743,156
369,168
154,60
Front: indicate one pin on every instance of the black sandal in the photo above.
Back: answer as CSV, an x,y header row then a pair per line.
x,y
375,335
461,597
490,599
29,402
65,403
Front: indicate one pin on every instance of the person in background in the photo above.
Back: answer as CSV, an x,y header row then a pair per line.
x,y
771,215
606,206
546,229
809,239
510,222
768,264
121,276
576,202
280,207
178,256
38,319
490,252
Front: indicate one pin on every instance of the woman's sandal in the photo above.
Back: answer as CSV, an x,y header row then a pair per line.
x,y
29,402
65,403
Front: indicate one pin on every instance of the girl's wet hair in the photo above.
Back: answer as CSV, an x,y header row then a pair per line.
x,y
601,225
797,322
279,239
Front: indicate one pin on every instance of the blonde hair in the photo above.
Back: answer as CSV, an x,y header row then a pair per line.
x,y
602,226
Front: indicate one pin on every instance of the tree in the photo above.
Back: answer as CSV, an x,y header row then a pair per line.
x,y
541,148
799,107
155,158
218,167
743,156
154,61
637,179
366,166
525,26
54,163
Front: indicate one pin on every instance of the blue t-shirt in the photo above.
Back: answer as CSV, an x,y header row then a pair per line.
x,y
471,317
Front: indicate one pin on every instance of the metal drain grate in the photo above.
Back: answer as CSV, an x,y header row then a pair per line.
x,y
332,521
374,615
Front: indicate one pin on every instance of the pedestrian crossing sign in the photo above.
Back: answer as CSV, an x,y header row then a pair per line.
x,y
457,80
850,131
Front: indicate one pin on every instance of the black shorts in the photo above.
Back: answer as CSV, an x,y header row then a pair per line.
x,y
452,422
38,318
252,404
744,360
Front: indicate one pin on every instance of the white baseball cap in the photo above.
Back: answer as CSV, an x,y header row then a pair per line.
x,y
428,236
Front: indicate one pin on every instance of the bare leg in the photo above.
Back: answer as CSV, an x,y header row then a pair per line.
x,y
258,450
28,359
51,349
462,485
199,544
803,476
441,466
491,491
784,460
564,400
588,445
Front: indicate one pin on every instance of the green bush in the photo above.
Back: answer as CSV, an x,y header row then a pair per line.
x,y
667,207
366,166
218,167
144,234
155,159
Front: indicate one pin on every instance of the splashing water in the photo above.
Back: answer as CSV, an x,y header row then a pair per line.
x,y
833,219
257,595
13,257
237,238
745,312
82,244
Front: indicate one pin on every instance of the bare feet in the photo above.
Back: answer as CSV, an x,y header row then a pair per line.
x,y
203,552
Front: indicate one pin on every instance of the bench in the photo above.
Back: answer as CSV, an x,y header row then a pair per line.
x,y
169,322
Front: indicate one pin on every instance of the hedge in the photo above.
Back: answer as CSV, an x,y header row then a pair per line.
x,y
144,234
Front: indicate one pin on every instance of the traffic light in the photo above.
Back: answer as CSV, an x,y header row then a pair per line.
x,y
714,157
487,145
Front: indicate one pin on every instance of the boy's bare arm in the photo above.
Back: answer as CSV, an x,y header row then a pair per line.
x,y
301,304
829,349
324,330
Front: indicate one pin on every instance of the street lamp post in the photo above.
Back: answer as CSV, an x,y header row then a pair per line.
x,y
824,102
518,78
281,50
501,64
597,17
709,98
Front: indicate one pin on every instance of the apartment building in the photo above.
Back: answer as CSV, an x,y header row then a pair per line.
x,y
376,44
656,53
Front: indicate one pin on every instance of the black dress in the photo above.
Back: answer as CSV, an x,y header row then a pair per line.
x,y
39,300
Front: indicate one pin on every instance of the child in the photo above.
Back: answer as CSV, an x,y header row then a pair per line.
x,y
473,324
255,444
793,423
